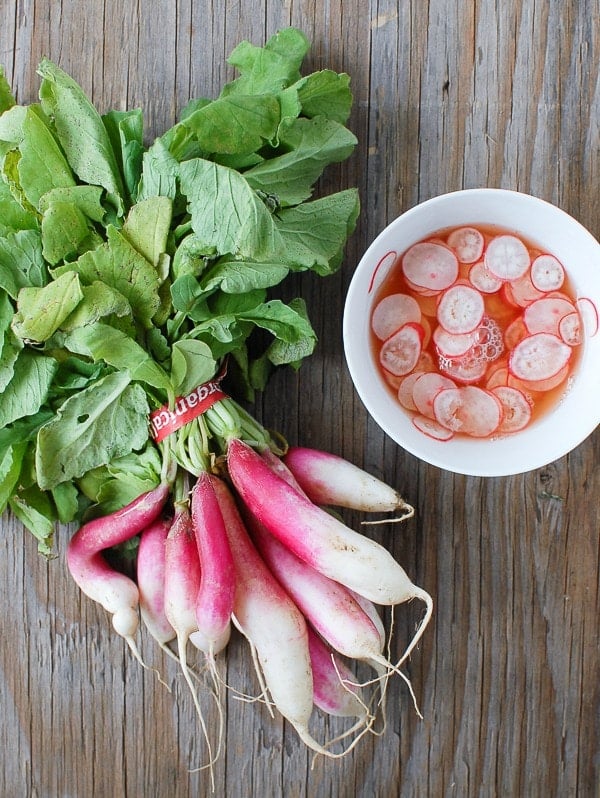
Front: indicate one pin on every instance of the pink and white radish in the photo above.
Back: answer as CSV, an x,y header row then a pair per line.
x,y
467,242
335,689
507,257
483,280
328,605
150,578
430,265
460,309
516,408
116,592
547,273
401,351
214,600
393,312
331,480
318,538
539,357
468,409
273,625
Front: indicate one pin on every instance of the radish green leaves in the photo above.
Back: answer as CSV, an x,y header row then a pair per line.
x,y
128,271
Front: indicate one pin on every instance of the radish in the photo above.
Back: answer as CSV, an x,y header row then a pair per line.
x,y
483,280
331,480
460,309
466,368
400,352
589,315
182,583
117,593
150,578
540,386
467,242
318,538
430,265
214,601
539,357
547,273
405,390
432,429
182,580
425,390
326,604
453,344
392,312
521,292
569,329
273,625
334,685
545,315
333,610
516,410
470,410
507,257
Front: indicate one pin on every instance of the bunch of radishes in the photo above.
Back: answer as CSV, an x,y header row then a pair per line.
x,y
247,542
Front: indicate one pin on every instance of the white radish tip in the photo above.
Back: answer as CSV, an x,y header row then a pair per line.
x,y
407,511
125,622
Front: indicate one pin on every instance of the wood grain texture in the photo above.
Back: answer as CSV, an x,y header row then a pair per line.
x,y
448,94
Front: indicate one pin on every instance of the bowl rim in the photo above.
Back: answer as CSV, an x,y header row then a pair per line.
x,y
470,456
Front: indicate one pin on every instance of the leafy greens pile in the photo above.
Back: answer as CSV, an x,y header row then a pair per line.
x,y
128,272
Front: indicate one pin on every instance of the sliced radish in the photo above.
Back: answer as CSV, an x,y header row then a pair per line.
x,y
516,409
522,292
465,369
425,390
422,292
400,352
452,345
483,280
569,329
470,410
467,242
430,265
539,357
544,315
547,273
589,315
541,386
405,391
426,325
392,312
501,307
431,428
425,362
460,309
515,332
507,257
497,378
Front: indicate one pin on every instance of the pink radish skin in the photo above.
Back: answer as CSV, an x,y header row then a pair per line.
x,y
272,623
117,593
327,605
334,685
331,480
317,537
214,602
150,578
182,577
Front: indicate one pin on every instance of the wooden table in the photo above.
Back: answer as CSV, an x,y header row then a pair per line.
x,y
447,95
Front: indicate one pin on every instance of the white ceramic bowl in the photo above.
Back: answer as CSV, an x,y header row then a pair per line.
x,y
546,439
